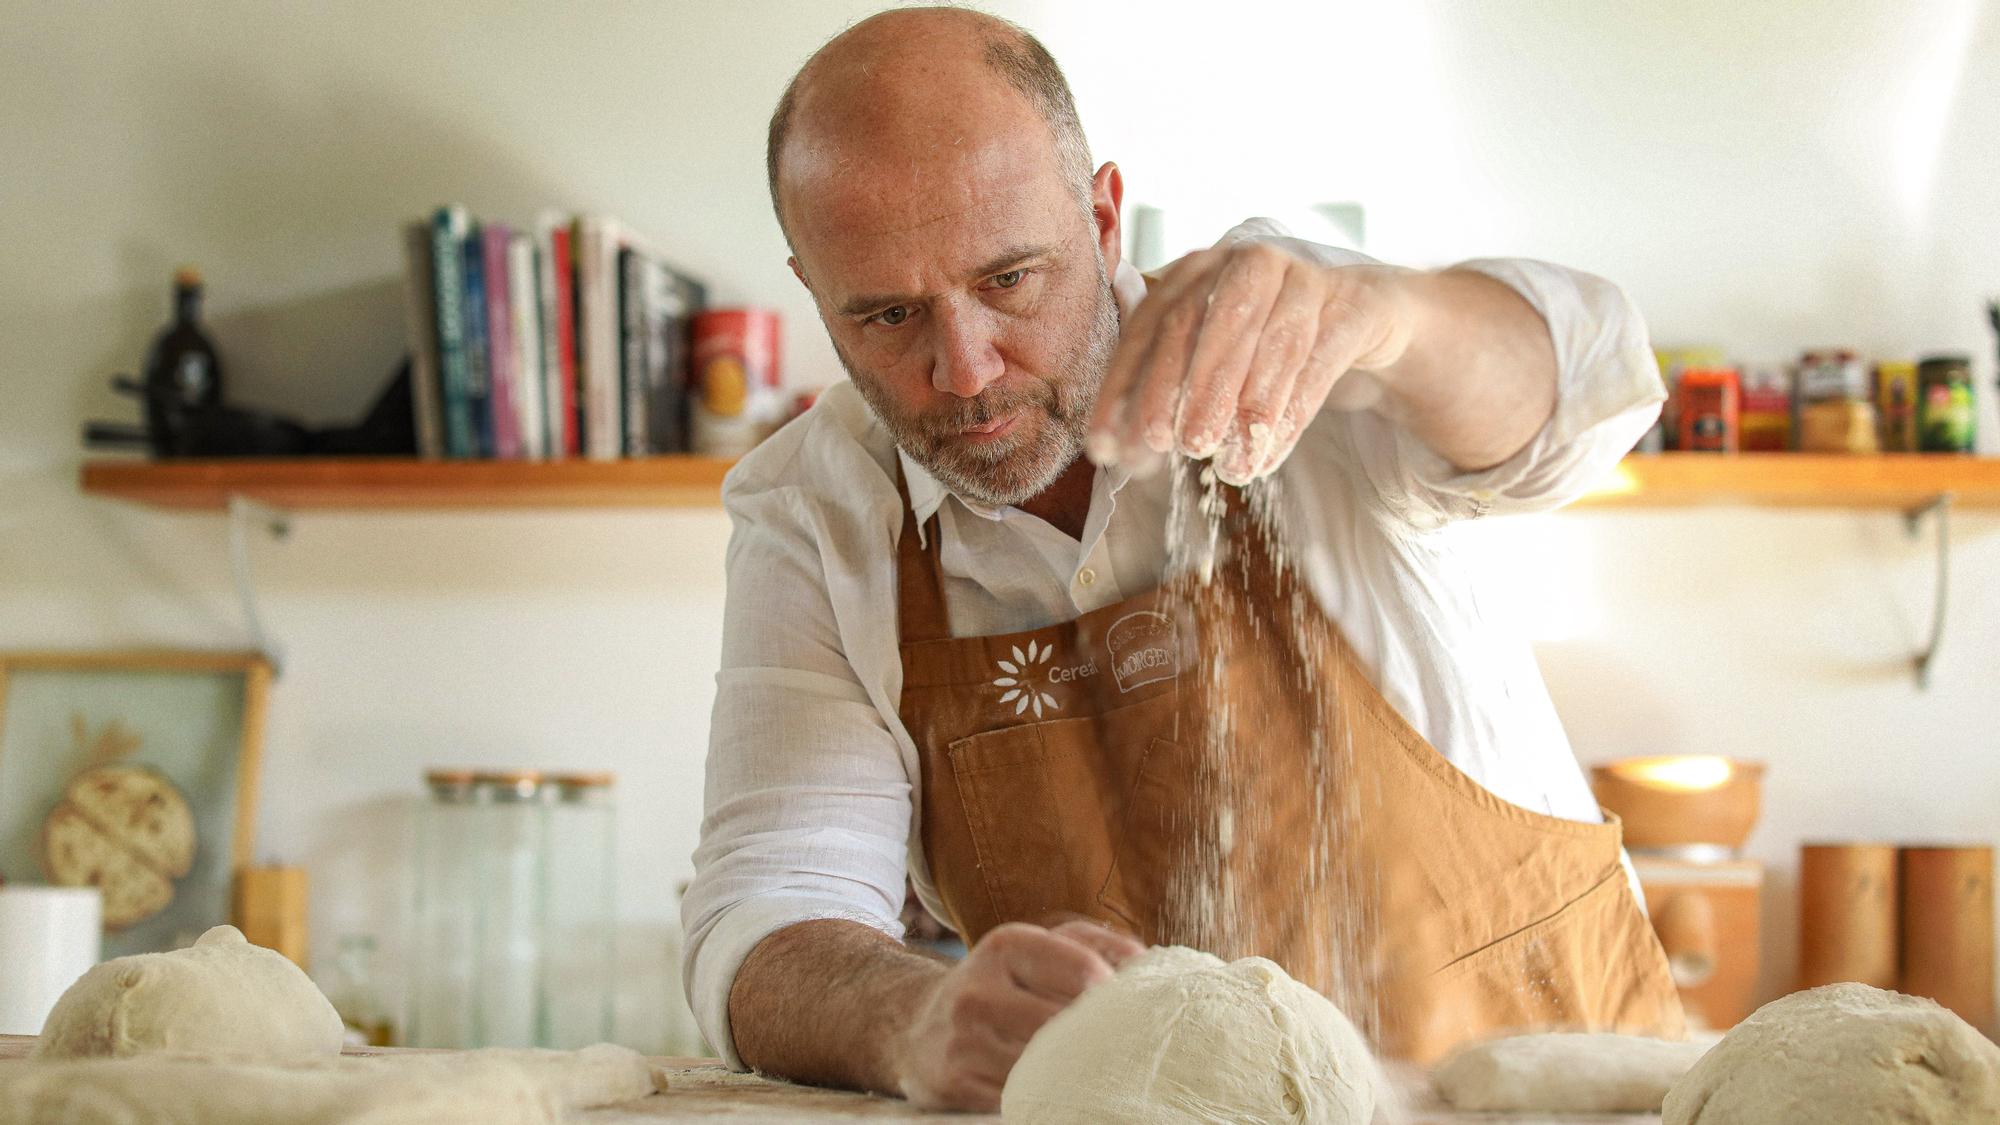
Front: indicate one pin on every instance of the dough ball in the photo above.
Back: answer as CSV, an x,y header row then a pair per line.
x,y
1846,1053
1564,1073
1180,1036
221,997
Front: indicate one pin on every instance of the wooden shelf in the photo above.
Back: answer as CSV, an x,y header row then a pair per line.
x,y
1782,480
1902,481
306,484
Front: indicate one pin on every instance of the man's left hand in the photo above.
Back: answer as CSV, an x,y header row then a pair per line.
x,y
1236,348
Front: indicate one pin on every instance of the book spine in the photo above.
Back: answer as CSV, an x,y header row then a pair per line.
x,y
528,383
678,298
500,344
599,344
545,322
564,243
633,368
461,434
478,380
420,324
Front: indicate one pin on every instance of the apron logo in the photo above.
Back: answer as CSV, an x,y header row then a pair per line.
x,y
1143,649
1019,682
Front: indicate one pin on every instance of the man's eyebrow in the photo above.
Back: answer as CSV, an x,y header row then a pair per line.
x,y
999,263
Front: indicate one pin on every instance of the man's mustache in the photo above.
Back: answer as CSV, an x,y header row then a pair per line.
x,y
982,409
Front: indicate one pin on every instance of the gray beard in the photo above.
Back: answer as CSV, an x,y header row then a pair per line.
x,y
1015,469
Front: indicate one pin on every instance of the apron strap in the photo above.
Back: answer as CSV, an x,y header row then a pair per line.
x,y
920,612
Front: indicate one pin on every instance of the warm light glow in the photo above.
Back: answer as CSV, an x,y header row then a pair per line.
x,y
1620,481
1694,773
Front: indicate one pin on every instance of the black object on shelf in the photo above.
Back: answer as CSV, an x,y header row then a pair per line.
x,y
183,372
175,430
186,415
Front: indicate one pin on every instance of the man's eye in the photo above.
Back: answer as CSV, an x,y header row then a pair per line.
x,y
1009,279
891,317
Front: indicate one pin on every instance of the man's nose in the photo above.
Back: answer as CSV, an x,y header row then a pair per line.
x,y
967,362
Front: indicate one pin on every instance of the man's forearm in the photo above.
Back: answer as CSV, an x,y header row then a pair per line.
x,y
1478,379
822,1002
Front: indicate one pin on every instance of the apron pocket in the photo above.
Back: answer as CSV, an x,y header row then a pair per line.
x,y
1155,834
1035,800
1593,965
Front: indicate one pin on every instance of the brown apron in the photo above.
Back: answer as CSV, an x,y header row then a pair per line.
x,y
1165,765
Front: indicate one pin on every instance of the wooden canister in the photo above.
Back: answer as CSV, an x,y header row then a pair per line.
x,y
1847,914
1947,933
270,909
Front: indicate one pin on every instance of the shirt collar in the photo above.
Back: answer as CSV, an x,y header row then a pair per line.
x,y
928,494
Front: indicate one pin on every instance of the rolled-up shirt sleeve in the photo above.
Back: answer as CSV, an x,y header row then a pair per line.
x,y
807,801
1608,392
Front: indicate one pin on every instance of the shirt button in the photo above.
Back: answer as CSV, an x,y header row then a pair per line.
x,y
1086,576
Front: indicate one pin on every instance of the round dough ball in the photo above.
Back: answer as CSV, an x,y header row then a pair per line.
x,y
219,998
1179,1036
1846,1053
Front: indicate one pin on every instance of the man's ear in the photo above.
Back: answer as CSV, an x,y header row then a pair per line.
x,y
793,262
1107,196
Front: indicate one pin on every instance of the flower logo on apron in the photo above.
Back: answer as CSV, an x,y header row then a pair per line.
x,y
1021,691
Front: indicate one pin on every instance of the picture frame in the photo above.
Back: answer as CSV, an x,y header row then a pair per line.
x,y
184,722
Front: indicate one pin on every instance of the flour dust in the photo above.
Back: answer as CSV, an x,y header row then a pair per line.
x,y
1264,863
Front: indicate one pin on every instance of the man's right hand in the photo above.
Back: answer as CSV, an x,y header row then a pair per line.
x,y
977,1018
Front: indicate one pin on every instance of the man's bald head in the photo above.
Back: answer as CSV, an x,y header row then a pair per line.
x,y
908,76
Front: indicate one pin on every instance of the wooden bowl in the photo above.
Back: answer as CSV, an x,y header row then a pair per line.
x,y
1669,802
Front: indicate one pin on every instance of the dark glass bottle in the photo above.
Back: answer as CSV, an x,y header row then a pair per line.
x,y
183,373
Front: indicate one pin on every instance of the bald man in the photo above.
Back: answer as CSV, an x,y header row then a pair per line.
x,y
946,649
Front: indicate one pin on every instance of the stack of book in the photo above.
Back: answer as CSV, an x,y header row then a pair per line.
x,y
567,340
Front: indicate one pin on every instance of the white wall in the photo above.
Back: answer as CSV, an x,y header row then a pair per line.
x,y
1761,176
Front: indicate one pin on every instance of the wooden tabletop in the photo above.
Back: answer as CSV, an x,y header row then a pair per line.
x,y
701,1088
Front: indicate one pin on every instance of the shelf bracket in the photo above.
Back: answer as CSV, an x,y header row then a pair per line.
x,y
244,515
1913,520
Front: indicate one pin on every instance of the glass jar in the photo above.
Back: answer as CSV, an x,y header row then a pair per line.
x,y
446,914
513,826
580,958
351,988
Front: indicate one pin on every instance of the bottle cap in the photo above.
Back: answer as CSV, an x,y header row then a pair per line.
x,y
187,277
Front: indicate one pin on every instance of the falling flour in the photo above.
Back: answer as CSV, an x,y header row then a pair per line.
x,y
1180,1035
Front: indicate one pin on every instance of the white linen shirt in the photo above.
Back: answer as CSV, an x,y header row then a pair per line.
x,y
812,781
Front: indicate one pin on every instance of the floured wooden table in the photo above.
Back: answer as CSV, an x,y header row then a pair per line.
x,y
701,1090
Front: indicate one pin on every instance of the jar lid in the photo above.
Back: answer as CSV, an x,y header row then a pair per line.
x,y
508,777
588,780
448,777
505,784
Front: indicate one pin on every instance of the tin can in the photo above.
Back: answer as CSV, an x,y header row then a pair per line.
x,y
1945,421
1832,374
1767,408
1711,405
1673,361
1896,401
736,397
